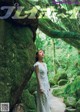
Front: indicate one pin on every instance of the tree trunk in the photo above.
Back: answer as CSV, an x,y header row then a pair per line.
x,y
20,89
55,71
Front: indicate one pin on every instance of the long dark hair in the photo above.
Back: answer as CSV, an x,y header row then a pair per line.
x,y
36,57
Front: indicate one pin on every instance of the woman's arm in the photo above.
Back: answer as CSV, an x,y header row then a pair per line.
x,y
38,78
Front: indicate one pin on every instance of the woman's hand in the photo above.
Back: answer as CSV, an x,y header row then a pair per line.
x,y
41,91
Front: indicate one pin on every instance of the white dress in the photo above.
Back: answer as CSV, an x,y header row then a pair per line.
x,y
45,101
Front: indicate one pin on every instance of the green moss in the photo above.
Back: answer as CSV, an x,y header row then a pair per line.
x,y
60,75
58,91
78,106
70,101
17,56
28,100
62,82
32,84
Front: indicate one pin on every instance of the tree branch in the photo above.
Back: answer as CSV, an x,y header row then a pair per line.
x,y
72,38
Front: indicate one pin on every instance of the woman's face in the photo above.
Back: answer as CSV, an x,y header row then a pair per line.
x,y
40,54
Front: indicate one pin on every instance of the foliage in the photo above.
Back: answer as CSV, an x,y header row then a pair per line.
x,y
63,60
65,82
32,84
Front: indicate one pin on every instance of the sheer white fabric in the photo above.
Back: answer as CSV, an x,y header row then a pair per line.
x,y
45,101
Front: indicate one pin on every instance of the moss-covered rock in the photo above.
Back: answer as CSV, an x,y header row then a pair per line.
x,y
51,79
71,101
28,100
70,109
60,75
32,84
62,82
77,93
17,52
78,106
58,91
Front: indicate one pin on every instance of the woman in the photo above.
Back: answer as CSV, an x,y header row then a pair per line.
x,y
46,102
43,87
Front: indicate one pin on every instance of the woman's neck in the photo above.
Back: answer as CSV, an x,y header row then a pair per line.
x,y
40,61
